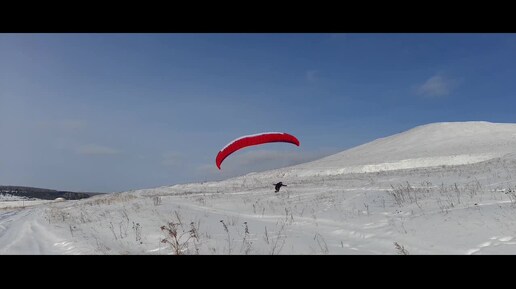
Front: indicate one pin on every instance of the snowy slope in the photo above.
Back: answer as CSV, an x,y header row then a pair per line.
x,y
435,144
444,188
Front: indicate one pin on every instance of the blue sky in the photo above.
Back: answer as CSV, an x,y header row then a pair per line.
x,y
114,112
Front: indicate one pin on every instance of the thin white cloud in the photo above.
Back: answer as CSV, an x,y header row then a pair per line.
x,y
93,149
312,75
272,157
210,170
259,160
66,125
172,159
436,86
72,125
62,143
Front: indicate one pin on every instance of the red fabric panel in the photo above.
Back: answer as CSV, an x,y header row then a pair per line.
x,y
254,140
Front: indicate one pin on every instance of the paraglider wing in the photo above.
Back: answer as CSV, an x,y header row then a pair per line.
x,y
251,140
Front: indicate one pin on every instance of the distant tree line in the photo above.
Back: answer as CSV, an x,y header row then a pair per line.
x,y
44,194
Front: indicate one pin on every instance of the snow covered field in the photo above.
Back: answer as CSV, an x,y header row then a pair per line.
x,y
8,201
444,188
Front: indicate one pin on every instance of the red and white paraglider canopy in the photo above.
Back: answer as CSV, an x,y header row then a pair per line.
x,y
251,140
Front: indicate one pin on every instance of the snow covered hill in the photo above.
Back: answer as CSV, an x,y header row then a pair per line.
x,y
429,145
443,188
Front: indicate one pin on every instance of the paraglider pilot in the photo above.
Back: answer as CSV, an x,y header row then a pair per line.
x,y
278,186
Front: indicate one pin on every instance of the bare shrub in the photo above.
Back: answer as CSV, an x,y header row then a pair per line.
x,y
321,243
278,241
137,232
400,249
156,200
511,193
228,236
246,244
178,238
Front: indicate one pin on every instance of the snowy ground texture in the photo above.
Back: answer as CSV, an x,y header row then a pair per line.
x,y
444,188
